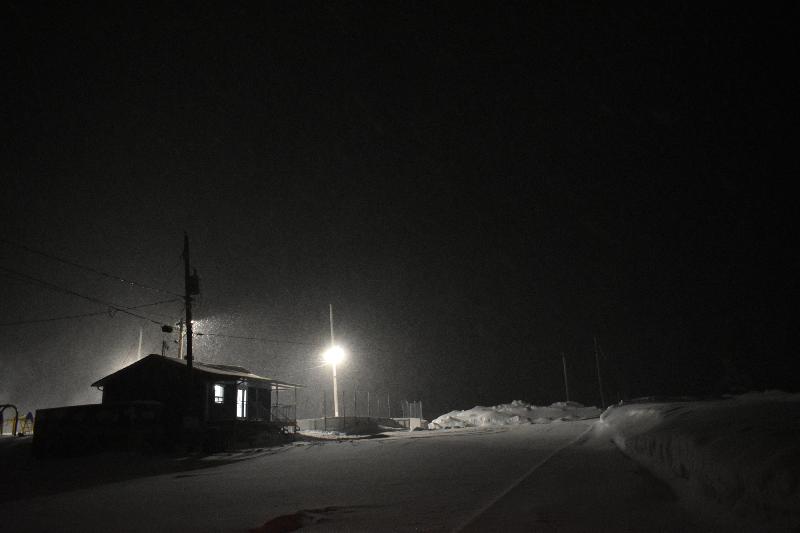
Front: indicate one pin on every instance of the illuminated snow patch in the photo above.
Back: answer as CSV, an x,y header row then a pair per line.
x,y
514,413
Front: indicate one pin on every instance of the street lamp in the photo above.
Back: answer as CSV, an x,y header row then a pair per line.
x,y
334,355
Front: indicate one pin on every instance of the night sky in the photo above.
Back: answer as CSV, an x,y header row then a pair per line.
x,y
476,189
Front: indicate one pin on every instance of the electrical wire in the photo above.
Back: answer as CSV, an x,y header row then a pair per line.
x,y
57,288
52,319
82,315
263,339
84,267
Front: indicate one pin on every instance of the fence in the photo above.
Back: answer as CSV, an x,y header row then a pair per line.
x,y
411,409
357,404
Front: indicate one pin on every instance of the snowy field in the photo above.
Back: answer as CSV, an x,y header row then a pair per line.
x,y
738,457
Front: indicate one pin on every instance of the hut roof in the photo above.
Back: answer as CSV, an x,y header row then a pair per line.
x,y
226,371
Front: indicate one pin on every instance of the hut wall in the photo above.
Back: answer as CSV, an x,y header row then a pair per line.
x,y
167,384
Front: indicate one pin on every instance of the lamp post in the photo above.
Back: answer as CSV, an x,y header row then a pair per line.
x,y
334,355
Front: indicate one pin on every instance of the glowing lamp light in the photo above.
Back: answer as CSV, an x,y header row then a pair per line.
x,y
333,355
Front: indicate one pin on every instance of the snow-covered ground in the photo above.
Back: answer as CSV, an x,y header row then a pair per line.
x,y
741,453
737,455
407,481
514,413
738,458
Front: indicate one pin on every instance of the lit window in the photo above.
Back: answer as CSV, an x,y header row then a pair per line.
x,y
241,403
219,394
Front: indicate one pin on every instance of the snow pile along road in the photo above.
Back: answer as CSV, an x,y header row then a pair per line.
x,y
514,413
742,452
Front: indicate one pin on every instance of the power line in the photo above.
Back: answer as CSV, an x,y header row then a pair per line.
x,y
68,317
53,319
57,288
87,268
263,339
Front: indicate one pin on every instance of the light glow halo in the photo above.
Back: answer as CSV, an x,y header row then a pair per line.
x,y
334,355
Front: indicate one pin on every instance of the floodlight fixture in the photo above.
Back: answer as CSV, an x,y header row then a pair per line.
x,y
334,355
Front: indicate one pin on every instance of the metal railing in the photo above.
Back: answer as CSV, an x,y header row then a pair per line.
x,y
285,414
16,425
23,426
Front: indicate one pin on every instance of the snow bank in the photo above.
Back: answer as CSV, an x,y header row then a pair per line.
x,y
514,413
742,452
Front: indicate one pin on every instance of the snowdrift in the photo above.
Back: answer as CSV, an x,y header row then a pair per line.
x,y
514,413
742,452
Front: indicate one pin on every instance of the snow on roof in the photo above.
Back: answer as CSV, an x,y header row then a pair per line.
x,y
228,368
208,368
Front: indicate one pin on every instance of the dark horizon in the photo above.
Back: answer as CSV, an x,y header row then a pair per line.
x,y
475,192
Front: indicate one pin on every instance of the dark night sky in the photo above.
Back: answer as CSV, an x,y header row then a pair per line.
x,y
475,191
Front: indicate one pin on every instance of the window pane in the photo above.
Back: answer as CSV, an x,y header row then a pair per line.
x,y
219,394
241,403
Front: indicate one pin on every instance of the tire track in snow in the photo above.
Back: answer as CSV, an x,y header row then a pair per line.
x,y
477,514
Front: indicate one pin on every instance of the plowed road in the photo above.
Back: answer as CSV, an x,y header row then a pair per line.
x,y
552,478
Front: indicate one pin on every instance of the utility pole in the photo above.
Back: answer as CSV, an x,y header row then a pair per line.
x,y
180,339
599,379
566,383
330,308
191,286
